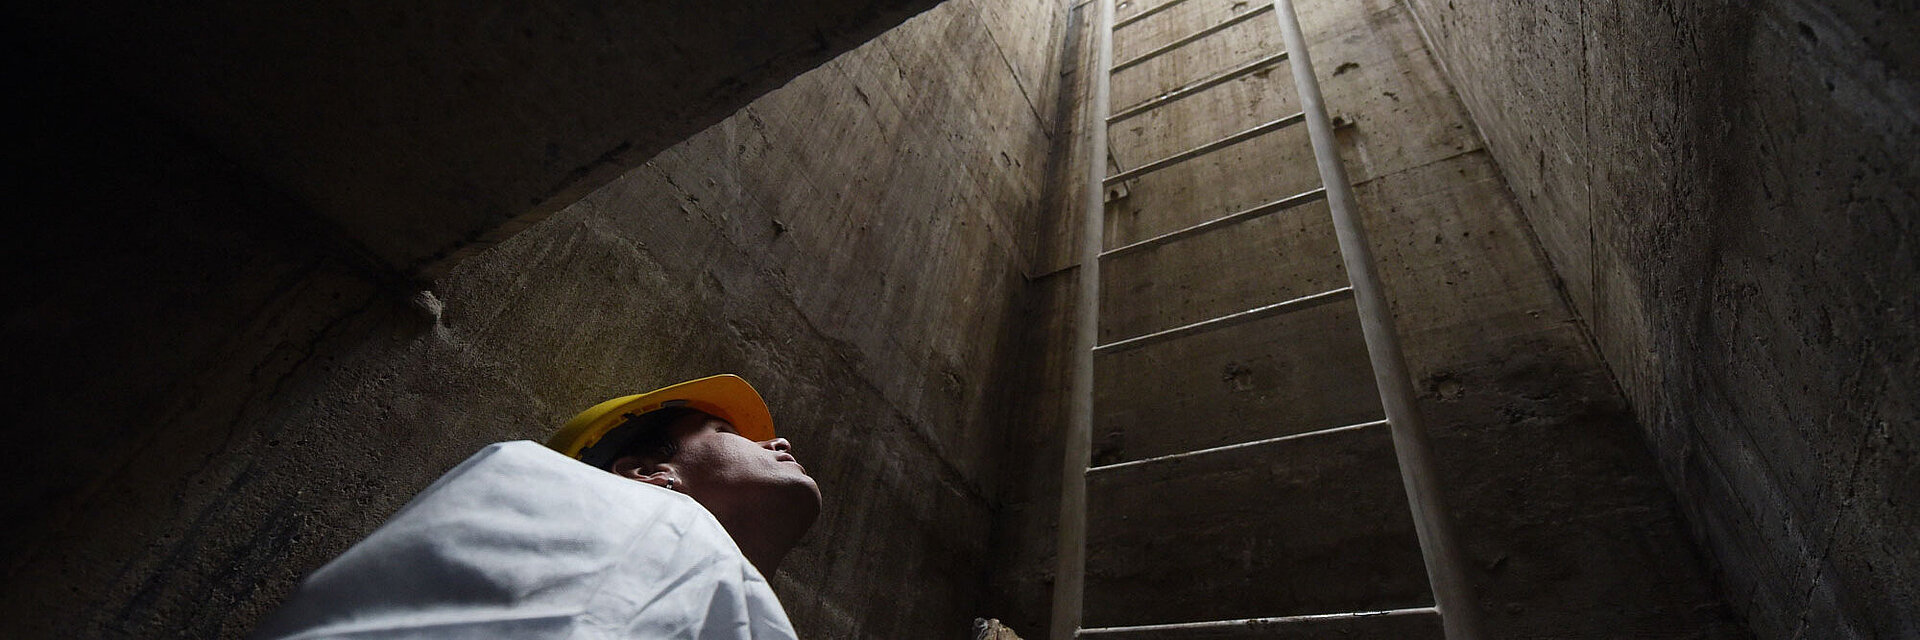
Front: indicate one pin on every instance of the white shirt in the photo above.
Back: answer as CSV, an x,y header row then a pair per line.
x,y
522,542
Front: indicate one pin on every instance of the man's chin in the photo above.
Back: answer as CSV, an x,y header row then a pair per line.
x,y
808,491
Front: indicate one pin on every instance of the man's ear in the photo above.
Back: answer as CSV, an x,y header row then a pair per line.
x,y
638,469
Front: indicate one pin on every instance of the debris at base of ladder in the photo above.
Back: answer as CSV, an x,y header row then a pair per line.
x,y
991,629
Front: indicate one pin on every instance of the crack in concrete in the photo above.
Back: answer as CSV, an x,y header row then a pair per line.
x,y
1592,329
1015,75
1833,528
188,540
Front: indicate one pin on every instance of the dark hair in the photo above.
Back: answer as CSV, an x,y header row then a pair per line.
x,y
648,435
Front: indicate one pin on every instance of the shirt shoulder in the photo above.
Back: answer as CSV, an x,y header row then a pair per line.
x,y
519,540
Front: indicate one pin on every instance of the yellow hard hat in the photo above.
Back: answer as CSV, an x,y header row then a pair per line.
x,y
725,396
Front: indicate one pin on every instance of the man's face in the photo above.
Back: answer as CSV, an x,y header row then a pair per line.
x,y
738,478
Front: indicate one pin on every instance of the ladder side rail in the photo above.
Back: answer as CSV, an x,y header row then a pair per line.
x,y
1453,594
1070,572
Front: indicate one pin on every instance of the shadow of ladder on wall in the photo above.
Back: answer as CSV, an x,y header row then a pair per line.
x,y
1452,615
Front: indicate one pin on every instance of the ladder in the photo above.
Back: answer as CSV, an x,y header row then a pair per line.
x,y
1451,591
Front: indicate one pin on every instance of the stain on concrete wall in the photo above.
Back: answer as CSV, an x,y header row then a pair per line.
x,y
1568,529
221,406
1727,193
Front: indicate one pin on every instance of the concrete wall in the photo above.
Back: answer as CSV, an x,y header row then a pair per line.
x,y
212,402
1568,529
419,133
1727,192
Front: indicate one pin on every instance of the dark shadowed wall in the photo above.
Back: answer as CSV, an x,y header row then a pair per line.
x,y
1728,193
423,132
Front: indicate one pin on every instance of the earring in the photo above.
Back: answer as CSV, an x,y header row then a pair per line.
x,y
669,483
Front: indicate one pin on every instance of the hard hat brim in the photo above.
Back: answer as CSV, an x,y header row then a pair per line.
x,y
725,396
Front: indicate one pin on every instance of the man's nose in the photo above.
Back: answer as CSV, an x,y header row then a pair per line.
x,y
777,444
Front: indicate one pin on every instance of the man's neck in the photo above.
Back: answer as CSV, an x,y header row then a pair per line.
x,y
761,545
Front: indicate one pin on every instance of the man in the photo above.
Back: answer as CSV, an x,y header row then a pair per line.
x,y
648,516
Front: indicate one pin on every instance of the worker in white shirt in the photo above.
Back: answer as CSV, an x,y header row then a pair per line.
x,y
648,516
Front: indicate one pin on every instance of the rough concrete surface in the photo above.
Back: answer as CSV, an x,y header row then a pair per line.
x,y
226,368
1727,192
217,403
1568,529
421,133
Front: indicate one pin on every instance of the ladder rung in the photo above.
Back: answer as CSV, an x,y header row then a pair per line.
x,y
1143,15
1255,622
1192,37
1222,221
1225,321
1205,148
1230,447
1182,92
